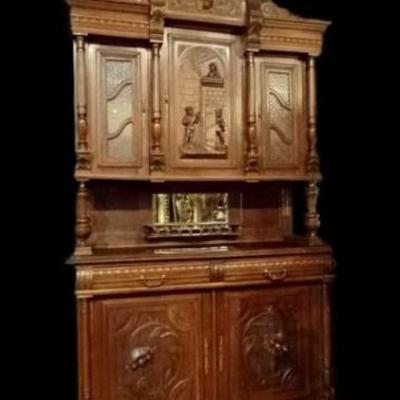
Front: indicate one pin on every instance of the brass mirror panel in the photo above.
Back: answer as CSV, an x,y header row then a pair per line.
x,y
191,215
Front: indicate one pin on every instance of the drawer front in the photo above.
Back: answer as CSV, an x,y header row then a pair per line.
x,y
190,275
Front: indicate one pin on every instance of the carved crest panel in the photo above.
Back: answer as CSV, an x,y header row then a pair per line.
x,y
280,97
223,11
204,88
271,339
150,349
118,105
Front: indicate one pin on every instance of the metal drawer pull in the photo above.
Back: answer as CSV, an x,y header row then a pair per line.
x,y
276,276
153,283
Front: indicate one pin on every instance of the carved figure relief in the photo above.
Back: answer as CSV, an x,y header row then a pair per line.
x,y
204,97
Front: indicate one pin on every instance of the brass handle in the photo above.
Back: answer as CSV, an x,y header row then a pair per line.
x,y
276,276
140,357
206,358
153,283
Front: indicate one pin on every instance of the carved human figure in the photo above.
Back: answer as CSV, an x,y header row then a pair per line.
x,y
220,128
189,120
213,71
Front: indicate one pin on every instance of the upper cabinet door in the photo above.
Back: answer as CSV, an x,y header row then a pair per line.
x,y
271,343
203,97
282,123
118,110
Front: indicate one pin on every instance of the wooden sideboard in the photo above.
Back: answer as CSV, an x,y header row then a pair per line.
x,y
200,273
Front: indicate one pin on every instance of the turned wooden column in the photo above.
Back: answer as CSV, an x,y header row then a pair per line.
x,y
83,227
156,117
251,132
312,220
83,155
157,16
313,166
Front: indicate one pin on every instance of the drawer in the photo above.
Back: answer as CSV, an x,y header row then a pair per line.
x,y
114,279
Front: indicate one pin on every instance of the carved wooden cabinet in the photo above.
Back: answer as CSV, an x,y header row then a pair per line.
x,y
200,273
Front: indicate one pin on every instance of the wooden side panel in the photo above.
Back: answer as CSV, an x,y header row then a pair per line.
x,y
281,122
149,348
271,339
118,110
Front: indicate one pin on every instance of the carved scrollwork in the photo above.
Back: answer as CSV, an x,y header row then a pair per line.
x,y
270,359
232,8
271,10
153,362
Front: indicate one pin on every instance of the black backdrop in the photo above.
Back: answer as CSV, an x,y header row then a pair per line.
x,y
346,127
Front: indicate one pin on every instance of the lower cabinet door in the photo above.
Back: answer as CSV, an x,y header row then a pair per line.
x,y
149,348
271,344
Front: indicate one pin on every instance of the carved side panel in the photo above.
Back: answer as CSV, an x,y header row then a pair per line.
x,y
119,107
148,349
204,89
222,11
281,113
272,337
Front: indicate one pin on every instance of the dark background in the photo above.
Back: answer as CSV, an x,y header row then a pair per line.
x,y
350,75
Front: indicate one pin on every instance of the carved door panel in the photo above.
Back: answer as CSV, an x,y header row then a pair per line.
x,y
150,348
281,118
118,110
202,115
273,340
